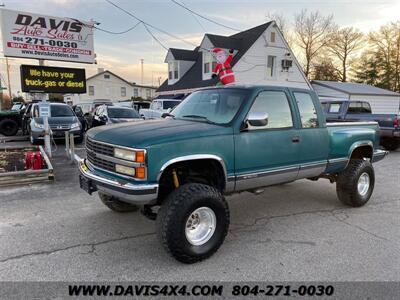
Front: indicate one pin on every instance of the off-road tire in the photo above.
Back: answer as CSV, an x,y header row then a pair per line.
x,y
8,127
347,182
117,205
391,144
174,213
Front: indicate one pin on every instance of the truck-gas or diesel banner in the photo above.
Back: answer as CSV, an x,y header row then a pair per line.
x,y
36,36
40,79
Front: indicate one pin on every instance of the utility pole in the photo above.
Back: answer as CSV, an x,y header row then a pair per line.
x,y
142,72
8,78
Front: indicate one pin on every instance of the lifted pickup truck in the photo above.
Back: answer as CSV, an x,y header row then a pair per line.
x,y
220,141
345,110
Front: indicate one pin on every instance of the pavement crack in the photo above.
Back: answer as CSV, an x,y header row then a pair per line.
x,y
91,245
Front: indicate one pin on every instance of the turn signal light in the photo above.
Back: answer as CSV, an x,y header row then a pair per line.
x,y
140,156
140,172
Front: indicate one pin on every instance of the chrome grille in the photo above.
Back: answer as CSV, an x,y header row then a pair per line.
x,y
93,148
59,126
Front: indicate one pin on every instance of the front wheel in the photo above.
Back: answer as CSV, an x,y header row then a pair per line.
x,y
192,222
355,184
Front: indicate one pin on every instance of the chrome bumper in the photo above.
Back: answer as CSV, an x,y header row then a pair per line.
x,y
379,155
138,194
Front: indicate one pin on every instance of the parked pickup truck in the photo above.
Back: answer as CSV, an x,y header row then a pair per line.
x,y
158,108
347,110
220,141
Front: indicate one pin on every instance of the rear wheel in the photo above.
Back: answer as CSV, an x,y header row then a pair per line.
x,y
8,127
192,222
355,184
117,205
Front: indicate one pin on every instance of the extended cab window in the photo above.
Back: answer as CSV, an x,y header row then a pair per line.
x,y
276,104
308,113
334,108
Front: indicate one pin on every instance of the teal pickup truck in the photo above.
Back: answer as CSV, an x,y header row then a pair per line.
x,y
220,141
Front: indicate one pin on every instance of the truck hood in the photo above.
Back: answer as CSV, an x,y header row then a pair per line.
x,y
151,132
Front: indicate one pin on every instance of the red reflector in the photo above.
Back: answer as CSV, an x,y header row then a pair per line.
x,y
396,123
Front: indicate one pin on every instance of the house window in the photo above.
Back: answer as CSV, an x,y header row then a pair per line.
x,y
106,76
123,91
271,66
91,90
148,93
173,70
273,37
209,63
135,93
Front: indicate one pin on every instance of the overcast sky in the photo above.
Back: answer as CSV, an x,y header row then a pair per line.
x,y
122,53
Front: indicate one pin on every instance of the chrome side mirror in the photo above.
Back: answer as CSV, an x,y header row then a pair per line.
x,y
257,119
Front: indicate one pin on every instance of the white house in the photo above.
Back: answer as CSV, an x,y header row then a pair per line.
x,y
381,101
108,85
261,57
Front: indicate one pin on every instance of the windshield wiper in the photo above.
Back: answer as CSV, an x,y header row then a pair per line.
x,y
199,117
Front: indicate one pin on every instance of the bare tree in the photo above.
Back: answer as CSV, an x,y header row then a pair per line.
x,y
344,43
283,25
313,33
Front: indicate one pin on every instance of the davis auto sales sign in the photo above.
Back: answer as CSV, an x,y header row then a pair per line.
x,y
42,37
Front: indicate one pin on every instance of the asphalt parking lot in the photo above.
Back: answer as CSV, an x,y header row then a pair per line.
x,y
297,231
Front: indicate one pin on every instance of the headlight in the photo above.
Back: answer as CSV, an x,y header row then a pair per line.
x,y
37,125
125,170
125,154
76,125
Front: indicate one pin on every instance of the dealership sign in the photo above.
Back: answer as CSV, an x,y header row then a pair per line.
x,y
36,36
40,79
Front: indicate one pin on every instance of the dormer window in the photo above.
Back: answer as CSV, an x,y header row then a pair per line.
x,y
173,73
209,64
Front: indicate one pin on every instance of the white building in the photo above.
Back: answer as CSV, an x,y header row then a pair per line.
x,y
107,85
381,101
261,57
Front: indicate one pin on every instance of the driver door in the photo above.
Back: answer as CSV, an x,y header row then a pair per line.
x,y
267,155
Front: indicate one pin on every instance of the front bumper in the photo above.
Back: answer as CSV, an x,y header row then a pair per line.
x,y
379,155
138,194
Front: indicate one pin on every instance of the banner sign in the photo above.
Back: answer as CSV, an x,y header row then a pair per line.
x,y
40,79
36,36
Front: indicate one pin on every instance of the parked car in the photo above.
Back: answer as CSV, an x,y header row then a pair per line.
x,y
81,116
61,119
221,141
158,108
348,110
18,106
114,114
138,105
88,109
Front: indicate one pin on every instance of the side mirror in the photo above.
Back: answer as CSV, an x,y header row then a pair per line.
x,y
257,119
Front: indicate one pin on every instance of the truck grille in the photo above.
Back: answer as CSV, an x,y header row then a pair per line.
x,y
93,148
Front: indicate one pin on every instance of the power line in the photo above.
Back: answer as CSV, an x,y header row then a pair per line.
x,y
154,37
203,17
120,32
150,25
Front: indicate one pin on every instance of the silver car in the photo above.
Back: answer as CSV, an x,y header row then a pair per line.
x,y
61,119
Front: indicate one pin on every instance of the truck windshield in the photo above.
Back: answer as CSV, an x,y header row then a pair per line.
x,y
217,106
122,113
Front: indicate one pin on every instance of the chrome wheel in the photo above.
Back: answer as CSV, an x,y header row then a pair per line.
x,y
363,184
200,226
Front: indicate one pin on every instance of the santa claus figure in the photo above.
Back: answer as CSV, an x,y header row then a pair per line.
x,y
223,68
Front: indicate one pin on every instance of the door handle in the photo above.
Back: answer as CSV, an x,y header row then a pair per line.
x,y
296,139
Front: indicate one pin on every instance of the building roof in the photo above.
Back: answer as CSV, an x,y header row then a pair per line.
x,y
183,54
120,78
241,42
355,88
